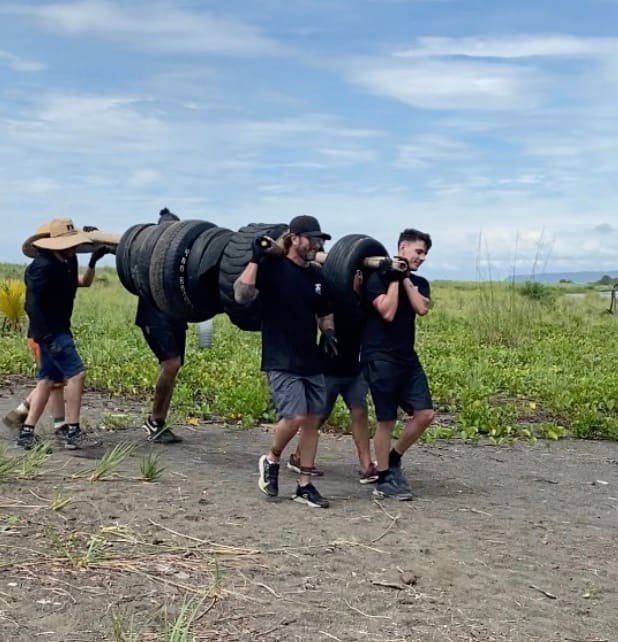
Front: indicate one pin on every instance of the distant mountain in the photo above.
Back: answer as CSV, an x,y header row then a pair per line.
x,y
587,276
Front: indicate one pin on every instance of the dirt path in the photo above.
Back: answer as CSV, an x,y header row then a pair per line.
x,y
502,543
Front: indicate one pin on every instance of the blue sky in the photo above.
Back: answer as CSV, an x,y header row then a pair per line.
x,y
490,124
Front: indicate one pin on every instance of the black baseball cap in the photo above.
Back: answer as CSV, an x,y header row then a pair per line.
x,y
308,226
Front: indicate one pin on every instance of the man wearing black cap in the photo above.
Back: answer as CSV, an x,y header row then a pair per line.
x,y
291,293
166,337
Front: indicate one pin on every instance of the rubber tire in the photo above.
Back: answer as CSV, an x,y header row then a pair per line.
x,y
124,255
141,257
236,255
203,272
343,259
168,268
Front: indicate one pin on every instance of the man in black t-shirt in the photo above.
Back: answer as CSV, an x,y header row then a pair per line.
x,y
166,337
344,378
293,303
395,375
52,280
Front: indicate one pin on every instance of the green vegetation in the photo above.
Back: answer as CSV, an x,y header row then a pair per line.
x,y
504,360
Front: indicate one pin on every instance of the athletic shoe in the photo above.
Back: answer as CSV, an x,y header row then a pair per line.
x,y
368,476
27,439
159,433
309,495
15,419
400,478
389,487
61,432
76,439
269,477
294,464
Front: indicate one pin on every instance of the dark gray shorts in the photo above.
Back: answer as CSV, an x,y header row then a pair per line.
x,y
353,391
296,395
397,385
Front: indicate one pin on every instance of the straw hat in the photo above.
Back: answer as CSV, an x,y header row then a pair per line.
x,y
27,248
63,235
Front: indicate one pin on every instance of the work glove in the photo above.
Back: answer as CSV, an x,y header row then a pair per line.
x,y
259,248
330,345
388,273
90,228
99,253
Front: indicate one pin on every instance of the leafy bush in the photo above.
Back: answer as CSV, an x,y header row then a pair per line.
x,y
12,298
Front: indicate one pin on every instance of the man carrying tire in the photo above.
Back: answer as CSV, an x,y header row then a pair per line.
x,y
344,378
395,375
293,304
166,337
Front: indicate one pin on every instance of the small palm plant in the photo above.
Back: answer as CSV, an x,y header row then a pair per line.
x,y
12,298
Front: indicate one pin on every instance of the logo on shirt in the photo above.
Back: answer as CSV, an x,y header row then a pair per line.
x,y
318,288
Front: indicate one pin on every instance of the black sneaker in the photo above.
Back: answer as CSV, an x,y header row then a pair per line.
x,y
27,438
61,432
159,433
309,495
269,477
400,478
390,488
294,464
76,439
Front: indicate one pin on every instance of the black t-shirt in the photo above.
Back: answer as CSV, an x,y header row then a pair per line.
x,y
51,285
148,315
346,363
291,297
394,340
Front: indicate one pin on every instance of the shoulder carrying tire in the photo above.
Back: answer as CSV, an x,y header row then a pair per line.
x,y
343,259
236,255
125,255
167,272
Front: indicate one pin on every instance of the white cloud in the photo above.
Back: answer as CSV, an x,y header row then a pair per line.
x,y
143,177
426,150
157,27
521,46
17,63
453,85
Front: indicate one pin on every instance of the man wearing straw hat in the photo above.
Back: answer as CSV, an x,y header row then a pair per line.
x,y
51,283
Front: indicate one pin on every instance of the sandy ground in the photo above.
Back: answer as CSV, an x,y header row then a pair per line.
x,y
501,543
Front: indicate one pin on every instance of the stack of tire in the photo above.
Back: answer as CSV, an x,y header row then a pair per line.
x,y
188,268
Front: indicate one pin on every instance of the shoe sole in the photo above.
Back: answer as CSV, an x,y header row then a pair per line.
x,y
402,498
296,469
166,437
313,473
368,480
261,484
303,500
155,435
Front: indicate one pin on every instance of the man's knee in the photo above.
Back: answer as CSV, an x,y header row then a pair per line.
x,y
171,366
424,417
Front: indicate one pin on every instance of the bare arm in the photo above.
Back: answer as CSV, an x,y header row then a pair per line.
x,y
85,279
244,286
386,304
419,303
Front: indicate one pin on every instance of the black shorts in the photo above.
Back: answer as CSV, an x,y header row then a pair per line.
x,y
397,385
165,342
